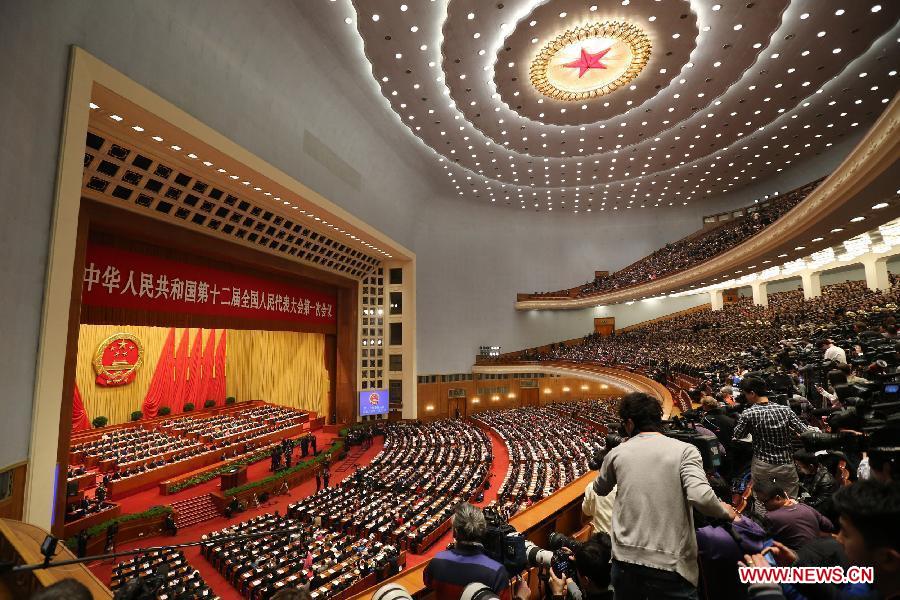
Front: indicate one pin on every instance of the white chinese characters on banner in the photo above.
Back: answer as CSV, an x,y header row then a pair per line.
x,y
161,286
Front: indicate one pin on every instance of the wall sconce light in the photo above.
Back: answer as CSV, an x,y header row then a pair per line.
x,y
429,407
476,400
495,397
566,388
584,388
603,386
510,395
546,390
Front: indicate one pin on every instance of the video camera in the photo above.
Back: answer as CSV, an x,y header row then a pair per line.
x,y
680,428
510,548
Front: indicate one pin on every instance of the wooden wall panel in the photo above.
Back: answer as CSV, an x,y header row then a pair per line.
x,y
12,507
434,402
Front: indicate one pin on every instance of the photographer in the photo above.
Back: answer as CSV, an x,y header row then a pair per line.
x,y
592,570
772,427
450,571
870,536
654,546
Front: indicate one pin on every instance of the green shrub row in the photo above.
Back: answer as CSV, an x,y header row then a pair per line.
x,y
209,475
101,421
335,449
152,512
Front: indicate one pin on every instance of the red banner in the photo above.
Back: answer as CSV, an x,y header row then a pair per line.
x,y
122,279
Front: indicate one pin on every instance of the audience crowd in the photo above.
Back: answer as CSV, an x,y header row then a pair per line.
x,y
695,248
282,552
547,451
406,494
163,573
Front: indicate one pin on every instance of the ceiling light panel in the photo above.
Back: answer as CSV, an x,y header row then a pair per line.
x,y
714,109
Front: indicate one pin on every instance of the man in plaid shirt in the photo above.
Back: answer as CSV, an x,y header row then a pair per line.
x,y
772,427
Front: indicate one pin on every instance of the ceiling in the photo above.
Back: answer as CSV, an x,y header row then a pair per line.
x,y
733,93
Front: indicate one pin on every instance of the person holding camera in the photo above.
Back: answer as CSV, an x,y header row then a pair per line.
x,y
450,571
870,536
654,546
772,427
591,573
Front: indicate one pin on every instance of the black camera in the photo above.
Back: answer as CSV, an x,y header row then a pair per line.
x,y
503,543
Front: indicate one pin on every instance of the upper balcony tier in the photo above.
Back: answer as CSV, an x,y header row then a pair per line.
x,y
789,226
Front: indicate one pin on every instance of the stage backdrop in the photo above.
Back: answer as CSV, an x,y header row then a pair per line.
x,y
285,368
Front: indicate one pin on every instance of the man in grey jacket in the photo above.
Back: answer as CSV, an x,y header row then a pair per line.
x,y
654,545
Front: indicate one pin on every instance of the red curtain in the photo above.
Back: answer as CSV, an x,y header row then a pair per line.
x,y
202,392
181,364
80,419
163,382
217,386
194,374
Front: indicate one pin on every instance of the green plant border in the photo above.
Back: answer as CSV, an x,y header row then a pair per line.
x,y
210,475
335,449
150,513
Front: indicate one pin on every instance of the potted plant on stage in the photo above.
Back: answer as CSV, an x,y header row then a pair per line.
x,y
209,404
188,407
164,410
136,415
99,422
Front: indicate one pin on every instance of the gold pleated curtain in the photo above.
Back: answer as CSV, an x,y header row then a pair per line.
x,y
281,367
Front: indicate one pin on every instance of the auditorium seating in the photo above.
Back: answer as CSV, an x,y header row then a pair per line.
x,y
548,449
133,458
408,492
706,341
689,251
165,572
285,552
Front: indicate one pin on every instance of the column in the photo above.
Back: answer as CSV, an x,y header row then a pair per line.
x,y
760,293
876,272
715,299
812,285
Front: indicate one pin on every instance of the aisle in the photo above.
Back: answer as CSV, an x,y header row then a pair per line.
x,y
219,584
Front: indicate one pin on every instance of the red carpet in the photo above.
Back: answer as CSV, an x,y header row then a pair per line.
x,y
219,584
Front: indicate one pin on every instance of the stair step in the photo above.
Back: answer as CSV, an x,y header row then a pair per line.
x,y
195,510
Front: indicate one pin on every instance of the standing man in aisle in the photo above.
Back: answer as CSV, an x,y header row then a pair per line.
x,y
654,546
772,426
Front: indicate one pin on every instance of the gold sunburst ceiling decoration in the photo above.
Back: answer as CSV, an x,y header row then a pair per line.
x,y
590,61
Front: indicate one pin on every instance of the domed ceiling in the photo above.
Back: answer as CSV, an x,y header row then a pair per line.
x,y
588,106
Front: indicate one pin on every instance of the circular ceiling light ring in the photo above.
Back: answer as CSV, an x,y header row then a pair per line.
x,y
631,37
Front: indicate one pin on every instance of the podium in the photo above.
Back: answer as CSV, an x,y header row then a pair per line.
x,y
233,477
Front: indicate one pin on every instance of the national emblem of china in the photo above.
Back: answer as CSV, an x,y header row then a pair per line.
x,y
373,399
117,359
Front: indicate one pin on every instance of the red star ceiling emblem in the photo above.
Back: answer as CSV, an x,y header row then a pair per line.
x,y
587,61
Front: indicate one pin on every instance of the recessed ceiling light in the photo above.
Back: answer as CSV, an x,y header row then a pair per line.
x,y
470,16
156,138
115,117
716,6
818,239
348,20
375,17
92,105
839,12
138,128
880,205
876,8
837,230
175,147
403,8
857,219
738,27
